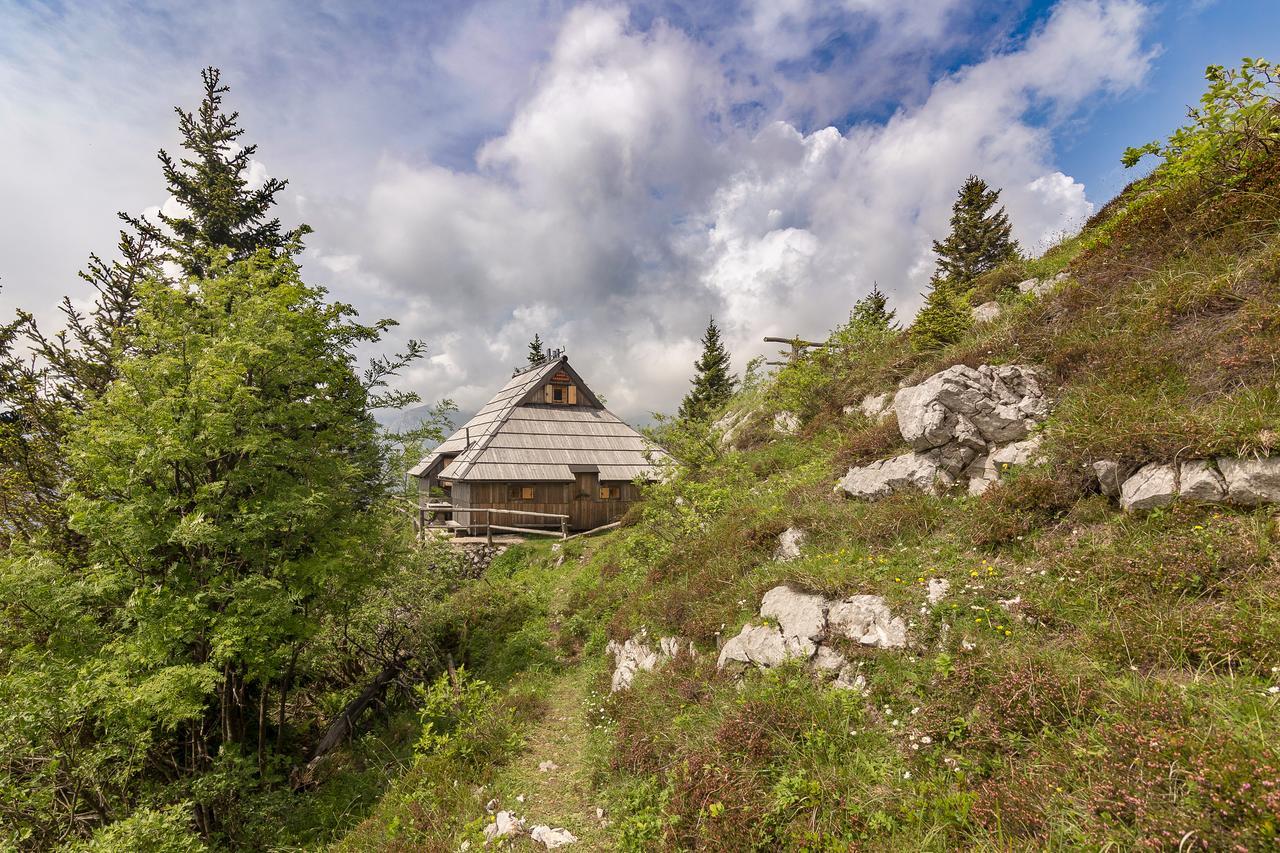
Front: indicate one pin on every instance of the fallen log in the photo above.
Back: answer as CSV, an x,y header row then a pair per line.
x,y
345,722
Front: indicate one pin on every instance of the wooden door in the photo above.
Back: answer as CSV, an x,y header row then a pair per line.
x,y
586,498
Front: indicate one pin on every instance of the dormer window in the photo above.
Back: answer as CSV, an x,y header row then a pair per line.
x,y
561,393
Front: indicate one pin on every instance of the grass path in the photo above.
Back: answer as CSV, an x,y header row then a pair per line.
x,y
560,797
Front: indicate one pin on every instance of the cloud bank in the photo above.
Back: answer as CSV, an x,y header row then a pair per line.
x,y
610,177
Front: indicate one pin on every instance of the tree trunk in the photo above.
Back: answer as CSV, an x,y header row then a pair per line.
x,y
343,725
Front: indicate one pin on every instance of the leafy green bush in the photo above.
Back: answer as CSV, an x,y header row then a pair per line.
x,y
1236,126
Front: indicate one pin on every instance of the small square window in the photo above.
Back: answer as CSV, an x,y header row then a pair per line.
x,y
520,493
557,395
610,493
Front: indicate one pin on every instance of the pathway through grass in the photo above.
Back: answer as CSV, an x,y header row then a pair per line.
x,y
561,797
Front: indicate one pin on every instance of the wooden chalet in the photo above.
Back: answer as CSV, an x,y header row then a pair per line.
x,y
543,453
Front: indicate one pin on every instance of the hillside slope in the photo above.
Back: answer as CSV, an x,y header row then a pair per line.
x,y
1091,678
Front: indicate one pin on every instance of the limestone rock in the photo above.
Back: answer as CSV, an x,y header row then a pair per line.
x,y
729,425
504,825
1111,475
936,590
757,645
547,766
1040,286
800,615
635,654
987,311
630,657
1200,481
970,406
875,406
790,541
986,470
786,423
827,660
849,679
868,620
1153,485
552,838
1251,481
887,476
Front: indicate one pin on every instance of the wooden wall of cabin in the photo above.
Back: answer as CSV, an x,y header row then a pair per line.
x,y
587,510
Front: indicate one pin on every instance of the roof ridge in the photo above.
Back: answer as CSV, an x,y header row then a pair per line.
x,y
504,414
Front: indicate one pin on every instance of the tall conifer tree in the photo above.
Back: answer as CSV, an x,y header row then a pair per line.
x,y
872,311
980,240
224,216
713,383
535,349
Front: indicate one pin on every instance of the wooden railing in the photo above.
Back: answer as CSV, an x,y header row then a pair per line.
x,y
427,514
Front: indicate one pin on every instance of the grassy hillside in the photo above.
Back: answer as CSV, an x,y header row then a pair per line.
x,y
1128,699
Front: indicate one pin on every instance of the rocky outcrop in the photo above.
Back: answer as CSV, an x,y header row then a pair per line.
x,y
1244,482
986,312
963,424
1111,476
971,407
1150,486
1251,481
883,478
786,423
635,654
876,406
804,623
867,620
730,426
790,541
1038,287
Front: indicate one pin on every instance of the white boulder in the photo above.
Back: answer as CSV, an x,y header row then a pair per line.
x,y
1152,485
1200,481
868,620
1251,481
987,311
875,406
786,423
801,616
1111,476
757,645
1040,286
827,660
504,825
887,476
936,590
790,541
552,838
973,407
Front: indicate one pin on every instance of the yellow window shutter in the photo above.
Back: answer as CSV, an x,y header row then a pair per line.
x,y
573,395
549,395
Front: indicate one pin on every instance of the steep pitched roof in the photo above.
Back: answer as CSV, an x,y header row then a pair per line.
x,y
515,436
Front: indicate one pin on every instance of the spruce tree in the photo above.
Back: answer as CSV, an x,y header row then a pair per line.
x,y
712,382
535,349
979,240
943,319
226,220
224,217
872,311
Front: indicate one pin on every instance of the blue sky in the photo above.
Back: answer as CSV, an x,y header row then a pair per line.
x,y
604,174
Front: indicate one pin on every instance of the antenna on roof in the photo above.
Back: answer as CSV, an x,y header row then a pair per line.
x,y
551,355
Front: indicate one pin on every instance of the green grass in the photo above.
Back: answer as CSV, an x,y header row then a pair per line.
x,y
1093,680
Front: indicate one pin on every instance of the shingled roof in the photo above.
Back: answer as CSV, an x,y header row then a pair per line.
x,y
517,437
